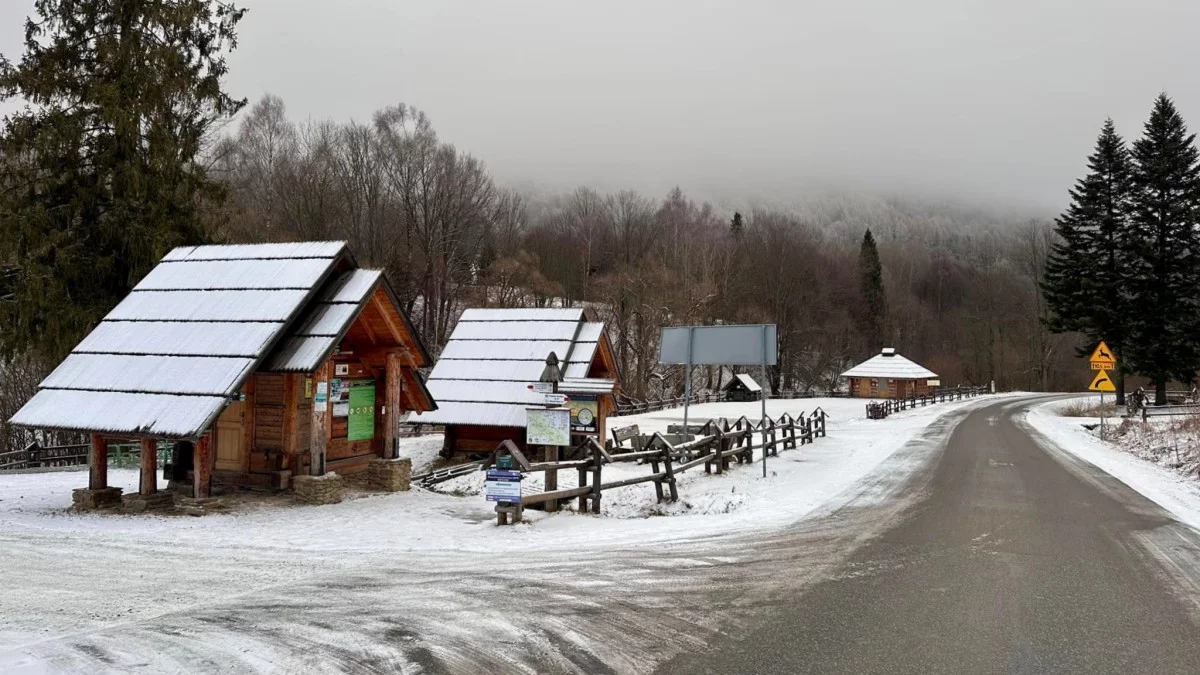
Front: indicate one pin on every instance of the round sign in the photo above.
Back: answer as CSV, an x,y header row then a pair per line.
x,y
585,416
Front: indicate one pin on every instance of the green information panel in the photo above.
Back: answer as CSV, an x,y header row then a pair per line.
x,y
361,425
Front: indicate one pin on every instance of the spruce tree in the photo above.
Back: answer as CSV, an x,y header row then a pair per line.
x,y
1164,280
1084,284
100,175
736,227
873,311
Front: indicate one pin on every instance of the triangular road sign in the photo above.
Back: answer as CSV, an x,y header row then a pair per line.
x,y
1103,382
1102,354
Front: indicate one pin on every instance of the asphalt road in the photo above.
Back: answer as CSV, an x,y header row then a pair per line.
x,y
1016,559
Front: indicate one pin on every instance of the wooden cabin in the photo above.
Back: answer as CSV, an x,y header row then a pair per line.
x,y
890,375
482,381
742,388
271,360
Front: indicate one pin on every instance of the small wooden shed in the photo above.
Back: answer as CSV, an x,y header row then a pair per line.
x,y
743,388
273,360
482,379
890,375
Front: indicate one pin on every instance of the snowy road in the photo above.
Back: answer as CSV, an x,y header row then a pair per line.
x,y
1018,558
368,586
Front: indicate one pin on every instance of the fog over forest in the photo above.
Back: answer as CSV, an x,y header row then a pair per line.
x,y
737,102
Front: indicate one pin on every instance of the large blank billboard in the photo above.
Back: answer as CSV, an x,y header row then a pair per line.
x,y
740,345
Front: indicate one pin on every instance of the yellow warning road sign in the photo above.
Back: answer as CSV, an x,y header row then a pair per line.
x,y
1103,382
1102,358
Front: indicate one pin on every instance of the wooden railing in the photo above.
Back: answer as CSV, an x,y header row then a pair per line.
x,y
121,454
36,456
628,405
718,445
877,410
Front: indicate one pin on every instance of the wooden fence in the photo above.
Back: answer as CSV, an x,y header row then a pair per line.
x,y
877,410
121,455
628,405
719,444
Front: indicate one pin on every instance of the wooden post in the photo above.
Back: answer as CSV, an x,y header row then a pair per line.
x,y
202,468
98,463
597,462
290,426
318,438
550,454
583,500
670,469
391,402
149,465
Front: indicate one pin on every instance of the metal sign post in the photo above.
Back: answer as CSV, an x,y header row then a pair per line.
x,y
1102,361
762,396
736,345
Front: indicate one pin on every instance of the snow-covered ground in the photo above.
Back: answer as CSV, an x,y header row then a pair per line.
x,y
68,579
1143,456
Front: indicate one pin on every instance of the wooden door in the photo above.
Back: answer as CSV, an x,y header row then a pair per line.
x,y
231,450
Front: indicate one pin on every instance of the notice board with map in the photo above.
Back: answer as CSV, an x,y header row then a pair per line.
x,y
548,426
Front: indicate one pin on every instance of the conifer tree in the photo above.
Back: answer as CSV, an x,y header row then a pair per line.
x,y
99,177
1164,270
1084,283
736,227
873,311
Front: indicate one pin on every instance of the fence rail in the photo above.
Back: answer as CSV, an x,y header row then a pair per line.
x,y
718,445
877,410
1170,410
628,405
122,455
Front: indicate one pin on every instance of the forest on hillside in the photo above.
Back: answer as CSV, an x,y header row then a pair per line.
x,y
960,286
128,145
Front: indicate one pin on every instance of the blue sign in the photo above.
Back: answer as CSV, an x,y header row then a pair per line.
x,y
503,485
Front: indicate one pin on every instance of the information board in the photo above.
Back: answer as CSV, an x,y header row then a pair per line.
x,y
502,485
361,426
548,426
585,414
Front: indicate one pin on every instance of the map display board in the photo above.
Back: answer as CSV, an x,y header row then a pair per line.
x,y
548,426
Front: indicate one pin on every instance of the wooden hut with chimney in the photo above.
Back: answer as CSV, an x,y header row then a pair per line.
x,y
483,379
269,360
889,375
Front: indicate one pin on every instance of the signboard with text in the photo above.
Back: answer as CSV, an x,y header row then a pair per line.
x,y
502,485
361,425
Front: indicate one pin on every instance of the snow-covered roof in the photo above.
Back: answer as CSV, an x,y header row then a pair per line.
x,y
165,361
484,373
890,365
324,323
748,382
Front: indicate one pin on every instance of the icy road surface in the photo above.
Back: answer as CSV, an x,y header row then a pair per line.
x,y
424,582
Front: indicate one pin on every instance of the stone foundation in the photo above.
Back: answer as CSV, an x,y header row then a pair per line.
x,y
199,507
159,501
389,475
91,500
325,489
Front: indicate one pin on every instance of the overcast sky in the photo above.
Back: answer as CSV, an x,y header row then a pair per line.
x,y
979,100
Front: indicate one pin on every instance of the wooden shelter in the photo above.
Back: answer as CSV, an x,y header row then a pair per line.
x,y
743,388
890,375
482,381
273,360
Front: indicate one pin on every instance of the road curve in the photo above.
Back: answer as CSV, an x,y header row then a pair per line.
x,y
1017,559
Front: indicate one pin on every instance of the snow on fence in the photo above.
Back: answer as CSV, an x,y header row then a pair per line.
x,y
718,444
880,410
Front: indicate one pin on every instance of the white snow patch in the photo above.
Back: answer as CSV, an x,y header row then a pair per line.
x,y
1178,494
